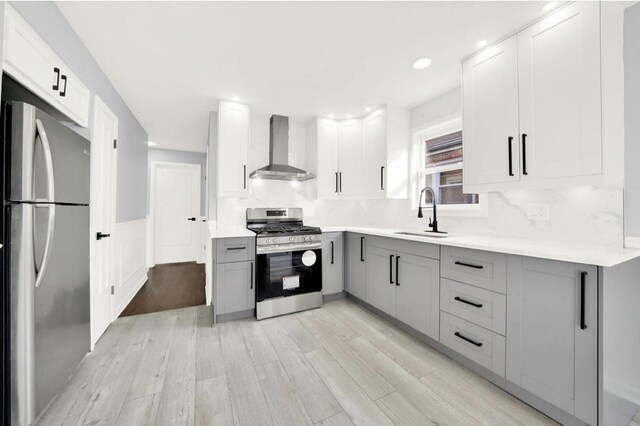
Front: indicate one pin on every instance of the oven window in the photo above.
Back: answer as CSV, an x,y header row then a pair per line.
x,y
288,273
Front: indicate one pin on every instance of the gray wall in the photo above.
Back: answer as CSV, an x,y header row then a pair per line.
x,y
185,157
632,120
131,190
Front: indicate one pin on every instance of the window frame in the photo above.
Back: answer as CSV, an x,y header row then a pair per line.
x,y
419,171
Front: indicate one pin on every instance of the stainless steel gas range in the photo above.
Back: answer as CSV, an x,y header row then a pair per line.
x,y
288,261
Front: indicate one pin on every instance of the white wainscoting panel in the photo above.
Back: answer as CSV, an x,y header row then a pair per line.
x,y
130,262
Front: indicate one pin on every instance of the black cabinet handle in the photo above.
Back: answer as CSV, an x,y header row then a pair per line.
x,y
583,284
56,70
524,154
251,286
361,249
100,236
510,156
466,339
459,299
336,182
237,248
332,252
397,269
468,265
244,174
382,178
63,93
391,269
340,181
192,219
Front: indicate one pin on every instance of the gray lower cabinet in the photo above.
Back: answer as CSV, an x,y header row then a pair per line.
x,y
236,281
332,263
356,272
552,333
404,285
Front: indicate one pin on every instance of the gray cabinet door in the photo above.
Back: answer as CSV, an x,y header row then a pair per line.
x,y
418,293
332,263
381,284
552,343
356,266
237,287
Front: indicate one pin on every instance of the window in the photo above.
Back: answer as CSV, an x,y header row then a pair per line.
x,y
443,169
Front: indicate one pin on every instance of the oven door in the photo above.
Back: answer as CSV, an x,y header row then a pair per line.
x,y
288,273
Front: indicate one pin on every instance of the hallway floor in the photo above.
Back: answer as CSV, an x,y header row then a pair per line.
x,y
169,286
337,365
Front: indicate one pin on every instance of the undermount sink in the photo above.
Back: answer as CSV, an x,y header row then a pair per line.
x,y
425,234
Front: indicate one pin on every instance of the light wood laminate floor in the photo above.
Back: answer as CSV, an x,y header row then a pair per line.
x,y
338,365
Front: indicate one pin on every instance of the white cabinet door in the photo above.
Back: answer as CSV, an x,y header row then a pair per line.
x,y
327,141
552,333
233,149
332,263
74,97
356,283
560,102
350,157
418,293
381,285
237,287
490,125
374,132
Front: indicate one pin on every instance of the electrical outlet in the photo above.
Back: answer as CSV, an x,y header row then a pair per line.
x,y
538,212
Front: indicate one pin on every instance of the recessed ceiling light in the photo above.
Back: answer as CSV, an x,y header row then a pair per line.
x,y
330,115
550,6
368,109
421,63
151,143
349,116
481,43
235,99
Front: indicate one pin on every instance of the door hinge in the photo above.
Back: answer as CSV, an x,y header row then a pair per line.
x,y
113,290
115,144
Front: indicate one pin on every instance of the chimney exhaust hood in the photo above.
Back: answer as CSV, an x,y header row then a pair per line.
x,y
278,169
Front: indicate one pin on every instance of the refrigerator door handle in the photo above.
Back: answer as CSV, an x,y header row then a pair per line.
x,y
51,198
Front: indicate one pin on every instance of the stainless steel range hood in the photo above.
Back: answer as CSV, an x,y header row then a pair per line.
x,y
278,169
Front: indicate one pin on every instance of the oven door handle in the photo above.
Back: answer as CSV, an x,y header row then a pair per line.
x,y
284,249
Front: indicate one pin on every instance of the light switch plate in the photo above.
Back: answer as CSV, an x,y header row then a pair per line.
x,y
538,211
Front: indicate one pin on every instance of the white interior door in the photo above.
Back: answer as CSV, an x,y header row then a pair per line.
x,y
176,212
103,214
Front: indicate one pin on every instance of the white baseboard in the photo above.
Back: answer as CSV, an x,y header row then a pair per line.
x,y
130,263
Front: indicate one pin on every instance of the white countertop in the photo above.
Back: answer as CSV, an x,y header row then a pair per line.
x,y
576,253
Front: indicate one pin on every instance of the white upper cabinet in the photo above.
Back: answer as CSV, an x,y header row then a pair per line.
x,y
233,149
362,157
559,76
490,125
31,62
532,106
350,157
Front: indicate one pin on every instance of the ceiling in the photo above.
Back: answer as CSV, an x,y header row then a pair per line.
x,y
172,61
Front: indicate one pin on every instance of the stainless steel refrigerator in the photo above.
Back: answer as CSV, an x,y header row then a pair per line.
x,y
45,254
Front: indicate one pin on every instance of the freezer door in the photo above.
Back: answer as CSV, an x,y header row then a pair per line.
x,y
62,304
45,152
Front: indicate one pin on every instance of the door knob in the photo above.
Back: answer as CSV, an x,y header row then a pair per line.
x,y
100,236
193,219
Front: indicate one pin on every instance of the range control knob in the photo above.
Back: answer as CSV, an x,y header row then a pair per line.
x,y
292,239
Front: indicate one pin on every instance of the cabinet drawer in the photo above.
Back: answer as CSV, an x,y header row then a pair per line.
x,y
479,268
476,305
476,343
235,249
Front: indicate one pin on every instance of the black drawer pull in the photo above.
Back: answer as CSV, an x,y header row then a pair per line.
x,y
583,284
332,259
397,269
524,154
63,92
466,339
459,299
251,282
510,156
391,269
56,70
361,249
469,265
237,248
336,182
382,178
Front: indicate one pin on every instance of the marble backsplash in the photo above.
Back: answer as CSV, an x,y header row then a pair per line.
x,y
582,215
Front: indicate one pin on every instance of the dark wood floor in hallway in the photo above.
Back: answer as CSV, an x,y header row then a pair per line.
x,y
169,286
